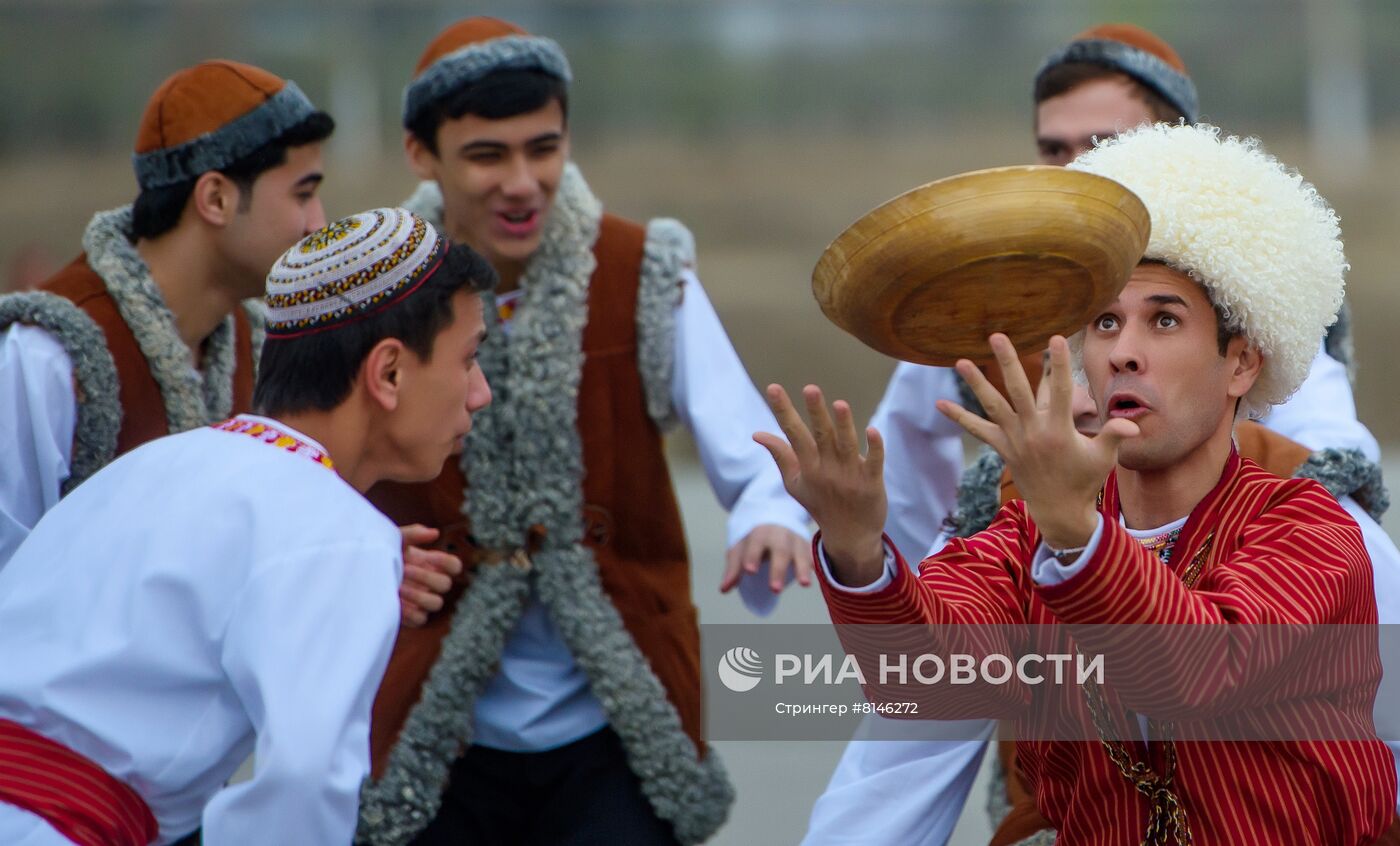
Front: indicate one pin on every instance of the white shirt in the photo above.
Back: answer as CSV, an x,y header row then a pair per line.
x,y
1322,414
37,418
923,452
905,792
204,597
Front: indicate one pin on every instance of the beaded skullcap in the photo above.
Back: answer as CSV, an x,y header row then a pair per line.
x,y
349,269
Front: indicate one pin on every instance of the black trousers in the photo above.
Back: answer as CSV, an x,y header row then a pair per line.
x,y
580,794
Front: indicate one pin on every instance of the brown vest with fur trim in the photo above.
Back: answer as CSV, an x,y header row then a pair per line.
x,y
630,516
143,409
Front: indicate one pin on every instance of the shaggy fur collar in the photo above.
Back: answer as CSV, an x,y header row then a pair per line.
x,y
525,462
99,417
191,399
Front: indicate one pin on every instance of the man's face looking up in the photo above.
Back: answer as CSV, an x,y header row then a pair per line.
x,y
1153,356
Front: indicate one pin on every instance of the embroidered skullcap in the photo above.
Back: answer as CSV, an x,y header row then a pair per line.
x,y
349,269
470,49
1136,52
1264,244
208,116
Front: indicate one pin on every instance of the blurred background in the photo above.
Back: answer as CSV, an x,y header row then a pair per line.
x,y
766,125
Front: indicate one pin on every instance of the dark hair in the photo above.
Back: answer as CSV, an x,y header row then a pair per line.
x,y
157,210
498,95
1063,78
1225,331
317,371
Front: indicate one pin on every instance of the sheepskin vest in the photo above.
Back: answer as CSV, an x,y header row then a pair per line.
x,y
562,487
132,372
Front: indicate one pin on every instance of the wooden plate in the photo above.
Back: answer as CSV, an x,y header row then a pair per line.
x,y
1031,251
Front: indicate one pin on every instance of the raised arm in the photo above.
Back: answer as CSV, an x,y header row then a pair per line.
x,y
716,400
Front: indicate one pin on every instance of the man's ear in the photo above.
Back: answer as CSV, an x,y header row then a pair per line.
x,y
215,198
1248,364
421,160
382,372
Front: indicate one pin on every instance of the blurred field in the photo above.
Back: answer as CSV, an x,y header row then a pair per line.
x,y
763,205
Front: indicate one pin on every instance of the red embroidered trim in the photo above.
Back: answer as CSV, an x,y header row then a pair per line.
x,y
273,436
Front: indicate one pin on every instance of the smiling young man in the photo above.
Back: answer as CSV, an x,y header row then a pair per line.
x,y
558,697
229,590
1182,531
145,333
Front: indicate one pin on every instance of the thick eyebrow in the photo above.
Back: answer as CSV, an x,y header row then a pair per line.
x,y
501,145
309,180
1083,140
1167,299
482,145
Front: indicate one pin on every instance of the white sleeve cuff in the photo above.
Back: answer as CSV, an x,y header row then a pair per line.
x,y
755,589
886,577
1046,569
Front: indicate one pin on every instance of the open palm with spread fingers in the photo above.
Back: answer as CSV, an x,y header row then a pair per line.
x,y
824,470
1057,470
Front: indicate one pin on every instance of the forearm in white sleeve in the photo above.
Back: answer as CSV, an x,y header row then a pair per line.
x,y
716,400
305,649
923,453
38,412
900,791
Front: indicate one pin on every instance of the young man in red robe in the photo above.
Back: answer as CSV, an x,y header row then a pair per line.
x,y
1243,273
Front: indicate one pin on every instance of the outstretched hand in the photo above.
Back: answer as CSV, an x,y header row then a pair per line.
x,y
824,470
1057,470
788,555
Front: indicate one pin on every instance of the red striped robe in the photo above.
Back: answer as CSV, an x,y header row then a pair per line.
x,y
1283,551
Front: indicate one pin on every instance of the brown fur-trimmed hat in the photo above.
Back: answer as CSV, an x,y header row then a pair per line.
x,y
1140,54
210,115
470,49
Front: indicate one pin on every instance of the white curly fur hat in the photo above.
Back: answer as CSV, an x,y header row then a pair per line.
x,y
1262,241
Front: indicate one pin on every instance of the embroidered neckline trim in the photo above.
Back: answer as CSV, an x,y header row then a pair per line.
x,y
273,436
1162,544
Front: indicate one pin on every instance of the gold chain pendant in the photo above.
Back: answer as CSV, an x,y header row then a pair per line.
x,y
1167,818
